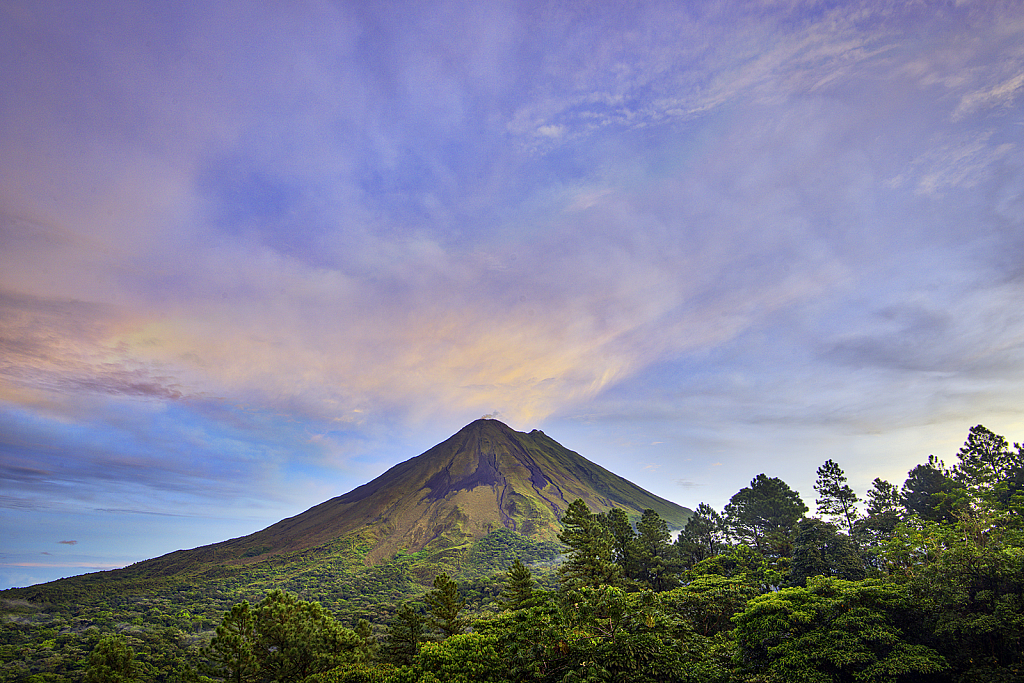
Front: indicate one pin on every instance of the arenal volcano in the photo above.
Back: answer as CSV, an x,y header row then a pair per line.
x,y
484,478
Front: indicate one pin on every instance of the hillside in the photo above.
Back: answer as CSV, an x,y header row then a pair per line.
x,y
469,505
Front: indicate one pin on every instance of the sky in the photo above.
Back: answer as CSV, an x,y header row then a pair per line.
x,y
254,254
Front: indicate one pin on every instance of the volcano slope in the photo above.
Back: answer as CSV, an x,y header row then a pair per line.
x,y
468,506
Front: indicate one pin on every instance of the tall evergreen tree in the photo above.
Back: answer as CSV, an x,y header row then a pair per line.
x,y
703,536
764,516
403,636
623,541
930,493
590,561
985,458
992,473
883,498
233,653
884,512
655,553
445,604
519,586
835,497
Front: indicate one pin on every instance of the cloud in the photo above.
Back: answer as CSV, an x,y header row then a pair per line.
x,y
241,261
68,542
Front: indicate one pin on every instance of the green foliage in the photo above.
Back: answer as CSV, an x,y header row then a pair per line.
x,y
969,585
591,635
113,661
883,498
835,497
361,672
946,603
403,637
820,550
519,586
281,639
764,516
709,601
233,652
498,550
830,631
656,557
590,562
992,475
463,658
445,604
624,549
744,563
704,536
930,493
878,525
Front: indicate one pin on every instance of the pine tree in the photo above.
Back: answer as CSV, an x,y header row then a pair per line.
x,y
884,513
764,516
590,561
403,636
655,553
883,498
835,497
703,536
445,603
930,493
233,652
519,586
623,541
985,458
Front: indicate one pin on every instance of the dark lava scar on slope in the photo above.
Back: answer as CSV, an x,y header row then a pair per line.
x,y
441,483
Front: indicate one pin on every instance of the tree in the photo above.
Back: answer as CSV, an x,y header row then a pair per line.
x,y
444,604
590,561
464,658
820,550
232,654
992,473
709,601
623,541
832,631
113,661
835,497
969,587
884,512
985,458
593,634
883,498
282,639
930,493
764,516
368,644
657,561
403,636
703,536
519,585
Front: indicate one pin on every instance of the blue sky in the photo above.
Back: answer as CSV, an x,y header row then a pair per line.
x,y
251,256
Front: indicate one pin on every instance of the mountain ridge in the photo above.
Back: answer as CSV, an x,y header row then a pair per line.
x,y
449,487
435,512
